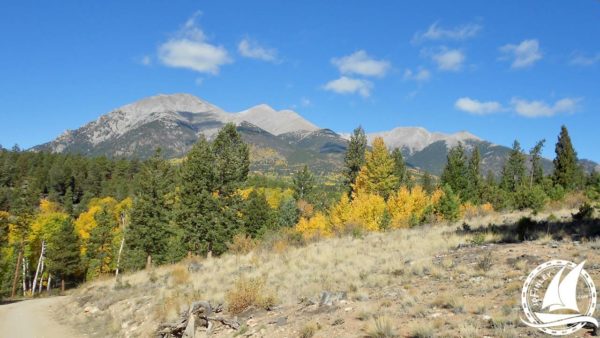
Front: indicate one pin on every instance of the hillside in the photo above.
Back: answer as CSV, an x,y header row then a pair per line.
x,y
281,141
462,283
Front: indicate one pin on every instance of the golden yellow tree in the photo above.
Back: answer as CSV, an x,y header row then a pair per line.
x,y
377,175
316,226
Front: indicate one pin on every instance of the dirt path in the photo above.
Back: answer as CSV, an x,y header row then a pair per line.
x,y
34,319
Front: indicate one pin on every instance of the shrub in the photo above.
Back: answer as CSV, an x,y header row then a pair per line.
x,y
180,275
241,244
586,211
381,328
525,227
485,262
533,198
248,292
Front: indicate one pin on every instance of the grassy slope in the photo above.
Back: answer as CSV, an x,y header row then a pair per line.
x,y
426,280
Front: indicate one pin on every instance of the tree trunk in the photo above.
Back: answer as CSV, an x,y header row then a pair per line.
x,y
62,285
37,270
119,256
49,281
149,262
41,277
17,268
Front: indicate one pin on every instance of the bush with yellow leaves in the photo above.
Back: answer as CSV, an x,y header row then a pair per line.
x,y
315,227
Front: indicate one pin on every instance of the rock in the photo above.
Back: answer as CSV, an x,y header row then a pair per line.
x,y
554,244
348,309
90,309
194,267
330,298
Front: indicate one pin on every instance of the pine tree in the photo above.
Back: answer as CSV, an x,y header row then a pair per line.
x,y
232,160
304,185
99,248
567,172
149,230
355,156
198,207
455,172
537,172
474,177
448,205
427,183
288,213
63,256
258,216
399,167
513,173
377,175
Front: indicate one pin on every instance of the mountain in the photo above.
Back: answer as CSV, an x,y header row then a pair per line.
x,y
280,141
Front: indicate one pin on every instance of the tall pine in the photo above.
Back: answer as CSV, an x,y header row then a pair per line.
x,y
355,156
567,172
455,173
513,173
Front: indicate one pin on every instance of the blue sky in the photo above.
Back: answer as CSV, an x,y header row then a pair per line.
x,y
499,69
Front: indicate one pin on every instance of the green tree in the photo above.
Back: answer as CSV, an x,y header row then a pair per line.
x,y
149,230
427,183
399,167
288,213
449,204
567,172
99,252
63,256
513,173
355,156
232,160
304,184
474,182
258,216
537,172
455,173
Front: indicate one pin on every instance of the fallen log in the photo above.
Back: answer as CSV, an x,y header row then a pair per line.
x,y
199,313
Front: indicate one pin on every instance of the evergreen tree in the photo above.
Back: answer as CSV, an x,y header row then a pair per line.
x,y
537,172
474,177
258,216
63,256
567,172
513,173
399,167
99,248
455,173
304,184
377,175
288,213
149,230
355,156
232,160
427,183
449,204
198,207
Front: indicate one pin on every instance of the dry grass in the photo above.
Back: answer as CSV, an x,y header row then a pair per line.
x,y
249,292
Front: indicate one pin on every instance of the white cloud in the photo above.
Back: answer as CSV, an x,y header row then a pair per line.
x,y
525,54
420,75
305,102
539,108
449,59
476,107
362,64
580,59
435,32
251,49
190,49
347,85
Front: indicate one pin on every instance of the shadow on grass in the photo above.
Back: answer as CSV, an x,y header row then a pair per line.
x,y
10,301
527,229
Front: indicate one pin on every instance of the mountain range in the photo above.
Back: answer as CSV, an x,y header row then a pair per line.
x,y
280,141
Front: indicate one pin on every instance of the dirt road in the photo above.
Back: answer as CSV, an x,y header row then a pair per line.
x,y
34,318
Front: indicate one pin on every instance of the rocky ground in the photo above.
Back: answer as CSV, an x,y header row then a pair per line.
x,y
438,281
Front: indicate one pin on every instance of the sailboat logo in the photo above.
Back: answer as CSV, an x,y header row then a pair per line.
x,y
569,289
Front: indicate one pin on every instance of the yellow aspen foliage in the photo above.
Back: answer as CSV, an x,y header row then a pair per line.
x,y
274,196
306,209
406,206
47,206
86,220
377,175
339,213
314,227
364,212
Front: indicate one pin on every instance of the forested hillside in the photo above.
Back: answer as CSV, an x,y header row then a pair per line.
x,y
66,218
